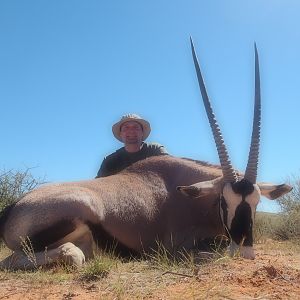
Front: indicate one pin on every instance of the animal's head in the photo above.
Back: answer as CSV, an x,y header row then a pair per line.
x,y
238,196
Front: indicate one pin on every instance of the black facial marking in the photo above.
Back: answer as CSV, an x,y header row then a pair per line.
x,y
243,187
241,225
224,207
248,242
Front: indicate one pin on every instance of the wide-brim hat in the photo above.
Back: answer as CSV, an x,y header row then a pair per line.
x,y
116,128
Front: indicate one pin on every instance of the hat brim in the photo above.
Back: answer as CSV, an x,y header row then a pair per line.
x,y
116,128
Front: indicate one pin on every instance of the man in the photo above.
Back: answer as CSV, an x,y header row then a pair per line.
x,y
131,130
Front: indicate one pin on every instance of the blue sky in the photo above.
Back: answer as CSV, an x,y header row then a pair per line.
x,y
69,69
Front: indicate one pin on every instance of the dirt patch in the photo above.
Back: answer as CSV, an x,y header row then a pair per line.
x,y
269,276
274,274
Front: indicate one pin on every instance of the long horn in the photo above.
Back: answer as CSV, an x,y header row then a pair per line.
x,y
251,170
227,169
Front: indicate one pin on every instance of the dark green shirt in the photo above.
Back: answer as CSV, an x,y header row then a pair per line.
x,y
122,159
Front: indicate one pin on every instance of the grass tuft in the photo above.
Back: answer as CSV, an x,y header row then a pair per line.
x,y
98,267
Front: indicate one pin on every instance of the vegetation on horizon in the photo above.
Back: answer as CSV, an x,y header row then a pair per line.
x,y
288,227
14,184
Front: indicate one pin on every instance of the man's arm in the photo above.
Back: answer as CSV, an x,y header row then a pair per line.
x,y
103,171
111,164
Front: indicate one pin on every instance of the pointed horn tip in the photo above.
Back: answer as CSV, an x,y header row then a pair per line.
x,y
255,49
192,43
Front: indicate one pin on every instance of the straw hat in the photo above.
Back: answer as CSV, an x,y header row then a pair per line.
x,y
131,117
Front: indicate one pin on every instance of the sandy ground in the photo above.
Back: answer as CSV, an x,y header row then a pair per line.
x,y
274,274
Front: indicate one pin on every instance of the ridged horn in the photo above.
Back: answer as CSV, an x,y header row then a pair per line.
x,y
251,169
227,169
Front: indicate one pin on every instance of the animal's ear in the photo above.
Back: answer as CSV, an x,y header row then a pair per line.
x,y
273,191
202,188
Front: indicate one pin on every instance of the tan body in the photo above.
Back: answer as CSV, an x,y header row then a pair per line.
x,y
137,207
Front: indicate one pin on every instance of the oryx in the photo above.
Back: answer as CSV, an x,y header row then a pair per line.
x,y
175,201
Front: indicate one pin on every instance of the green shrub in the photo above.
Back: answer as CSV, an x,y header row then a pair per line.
x,y
14,184
289,225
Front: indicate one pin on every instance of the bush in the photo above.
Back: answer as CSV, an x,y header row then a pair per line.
x,y
264,225
289,225
14,184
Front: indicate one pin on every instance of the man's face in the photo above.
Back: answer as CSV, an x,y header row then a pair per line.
x,y
131,133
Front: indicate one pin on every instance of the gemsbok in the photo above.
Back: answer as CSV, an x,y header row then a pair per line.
x,y
178,202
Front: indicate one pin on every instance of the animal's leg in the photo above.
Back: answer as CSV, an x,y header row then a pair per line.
x,y
67,253
82,237
72,249
86,244
70,254
233,248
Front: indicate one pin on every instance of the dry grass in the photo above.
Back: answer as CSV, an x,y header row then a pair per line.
x,y
265,224
274,274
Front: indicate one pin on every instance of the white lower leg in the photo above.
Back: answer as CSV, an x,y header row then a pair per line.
x,y
247,252
67,253
233,248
